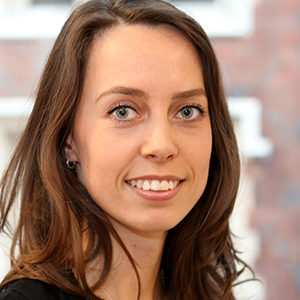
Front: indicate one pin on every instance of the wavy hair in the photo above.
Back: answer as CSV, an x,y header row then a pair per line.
x,y
199,260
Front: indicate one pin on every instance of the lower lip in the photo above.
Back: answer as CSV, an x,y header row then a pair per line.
x,y
156,196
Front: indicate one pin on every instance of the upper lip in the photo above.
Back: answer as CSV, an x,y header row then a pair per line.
x,y
156,177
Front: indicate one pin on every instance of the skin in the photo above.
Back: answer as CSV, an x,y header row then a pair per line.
x,y
152,74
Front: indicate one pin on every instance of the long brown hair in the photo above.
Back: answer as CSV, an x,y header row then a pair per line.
x,y
57,214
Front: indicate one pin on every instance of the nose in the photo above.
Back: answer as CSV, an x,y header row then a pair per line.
x,y
159,142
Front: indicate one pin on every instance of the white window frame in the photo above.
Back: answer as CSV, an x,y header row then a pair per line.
x,y
222,18
23,20
248,114
20,19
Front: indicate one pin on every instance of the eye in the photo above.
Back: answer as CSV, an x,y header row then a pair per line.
x,y
123,112
189,112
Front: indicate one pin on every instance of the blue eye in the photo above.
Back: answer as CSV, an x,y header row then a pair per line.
x,y
123,113
189,112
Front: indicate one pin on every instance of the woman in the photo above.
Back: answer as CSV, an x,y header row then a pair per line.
x,y
128,168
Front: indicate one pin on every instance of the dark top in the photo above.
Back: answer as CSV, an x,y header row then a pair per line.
x,y
30,289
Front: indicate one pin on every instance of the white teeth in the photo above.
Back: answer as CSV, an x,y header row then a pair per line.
x,y
139,184
154,185
146,185
164,185
171,185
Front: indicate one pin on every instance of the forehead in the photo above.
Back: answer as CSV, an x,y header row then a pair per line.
x,y
136,52
142,40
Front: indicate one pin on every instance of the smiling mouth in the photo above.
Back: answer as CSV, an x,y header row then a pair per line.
x,y
154,185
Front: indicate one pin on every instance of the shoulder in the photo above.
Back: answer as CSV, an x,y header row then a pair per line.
x,y
30,289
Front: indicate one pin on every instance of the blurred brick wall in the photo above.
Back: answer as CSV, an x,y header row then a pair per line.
x,y
21,62
267,66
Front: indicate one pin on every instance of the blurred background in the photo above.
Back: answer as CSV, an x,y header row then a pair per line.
x,y
258,45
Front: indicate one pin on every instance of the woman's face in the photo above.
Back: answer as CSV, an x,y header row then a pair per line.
x,y
142,135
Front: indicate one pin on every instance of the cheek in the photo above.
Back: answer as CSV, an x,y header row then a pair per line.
x,y
103,162
200,159
200,148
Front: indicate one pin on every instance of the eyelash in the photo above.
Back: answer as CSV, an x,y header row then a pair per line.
x,y
120,105
193,105
128,105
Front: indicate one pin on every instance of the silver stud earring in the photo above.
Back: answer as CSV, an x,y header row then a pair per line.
x,y
71,165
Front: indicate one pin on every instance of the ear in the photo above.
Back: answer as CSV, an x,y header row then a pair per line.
x,y
71,152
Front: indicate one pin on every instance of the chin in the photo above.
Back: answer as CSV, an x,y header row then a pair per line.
x,y
156,227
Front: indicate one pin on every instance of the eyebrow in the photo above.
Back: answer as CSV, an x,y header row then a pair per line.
x,y
124,91
141,94
189,94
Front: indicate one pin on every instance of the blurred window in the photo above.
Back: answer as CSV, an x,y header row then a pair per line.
x,y
33,19
194,0
51,1
30,19
221,18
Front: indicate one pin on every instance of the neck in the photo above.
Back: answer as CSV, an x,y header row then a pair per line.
x,y
146,250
